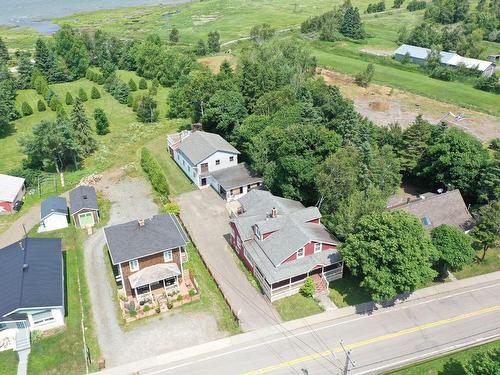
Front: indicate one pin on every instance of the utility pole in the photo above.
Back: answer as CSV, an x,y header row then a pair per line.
x,y
348,360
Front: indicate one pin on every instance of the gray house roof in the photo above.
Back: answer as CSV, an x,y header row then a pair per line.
x,y
291,230
10,187
235,177
53,204
31,275
436,209
200,145
132,240
83,197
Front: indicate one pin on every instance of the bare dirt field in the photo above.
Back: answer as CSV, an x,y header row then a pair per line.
x,y
384,105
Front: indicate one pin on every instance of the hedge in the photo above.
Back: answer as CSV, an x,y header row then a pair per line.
x,y
154,173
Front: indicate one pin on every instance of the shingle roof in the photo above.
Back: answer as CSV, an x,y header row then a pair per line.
x,y
200,145
446,208
40,284
53,204
83,197
235,177
131,241
9,187
153,274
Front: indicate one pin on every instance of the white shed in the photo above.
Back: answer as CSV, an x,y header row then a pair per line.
x,y
53,214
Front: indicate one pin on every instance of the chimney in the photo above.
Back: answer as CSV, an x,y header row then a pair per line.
x,y
140,222
274,213
25,267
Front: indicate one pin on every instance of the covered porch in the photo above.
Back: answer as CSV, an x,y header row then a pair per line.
x,y
155,280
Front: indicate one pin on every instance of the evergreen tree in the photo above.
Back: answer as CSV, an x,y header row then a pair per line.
x,y
174,36
82,95
143,84
69,98
25,70
4,53
101,122
26,109
415,141
95,94
130,100
200,49
146,109
226,69
213,41
54,103
43,61
351,25
132,85
82,129
41,105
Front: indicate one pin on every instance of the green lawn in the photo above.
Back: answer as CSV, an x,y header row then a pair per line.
x,y
8,363
347,291
450,364
63,353
296,307
178,182
491,263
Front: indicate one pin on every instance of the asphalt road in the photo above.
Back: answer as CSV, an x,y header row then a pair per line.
x,y
385,339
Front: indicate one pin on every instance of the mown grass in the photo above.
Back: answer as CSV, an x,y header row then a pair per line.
x,y
491,263
450,364
296,307
63,352
8,362
347,291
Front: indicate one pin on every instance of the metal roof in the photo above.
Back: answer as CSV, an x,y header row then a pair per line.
x,y
131,240
199,145
83,197
10,187
53,205
31,275
235,177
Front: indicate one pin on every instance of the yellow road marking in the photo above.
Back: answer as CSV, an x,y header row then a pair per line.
x,y
373,340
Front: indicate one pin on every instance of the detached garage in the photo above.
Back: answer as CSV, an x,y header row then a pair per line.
x,y
54,214
84,208
11,192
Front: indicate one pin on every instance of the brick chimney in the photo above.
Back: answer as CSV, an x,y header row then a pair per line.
x,y
274,213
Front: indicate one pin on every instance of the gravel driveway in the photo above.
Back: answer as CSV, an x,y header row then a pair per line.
x,y
131,199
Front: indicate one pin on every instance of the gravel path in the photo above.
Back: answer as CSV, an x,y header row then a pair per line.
x,y
131,199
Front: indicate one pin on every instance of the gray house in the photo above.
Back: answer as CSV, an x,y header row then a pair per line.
x,y
31,290
84,207
419,55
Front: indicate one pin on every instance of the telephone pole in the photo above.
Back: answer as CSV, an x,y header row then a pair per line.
x,y
348,360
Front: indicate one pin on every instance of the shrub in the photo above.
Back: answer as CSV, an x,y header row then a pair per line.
x,y
170,305
132,85
41,106
132,312
414,5
406,58
101,122
154,173
143,84
443,73
179,297
364,78
94,93
54,103
146,308
491,84
192,292
172,208
82,95
308,288
398,3
130,100
26,109
376,7
69,99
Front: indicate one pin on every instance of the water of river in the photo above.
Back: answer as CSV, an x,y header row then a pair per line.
x,y
38,13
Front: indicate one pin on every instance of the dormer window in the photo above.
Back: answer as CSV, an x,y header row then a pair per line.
x,y
300,253
257,232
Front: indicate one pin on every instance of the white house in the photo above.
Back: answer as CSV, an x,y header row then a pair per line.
x,y
53,214
209,160
31,290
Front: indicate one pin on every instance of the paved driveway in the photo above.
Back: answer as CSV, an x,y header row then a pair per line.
x,y
131,199
205,216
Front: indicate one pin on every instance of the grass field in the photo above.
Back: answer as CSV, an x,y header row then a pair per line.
x,y
491,263
347,291
450,364
296,307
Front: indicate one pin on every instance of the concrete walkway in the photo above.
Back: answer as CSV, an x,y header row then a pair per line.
x,y
205,216
325,302
22,366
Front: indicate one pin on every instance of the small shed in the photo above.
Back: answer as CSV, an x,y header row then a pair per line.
x,y
53,214
11,191
84,207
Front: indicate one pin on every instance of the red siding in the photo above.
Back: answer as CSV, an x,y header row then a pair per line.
x,y
6,206
327,246
315,221
309,250
265,235
291,257
235,238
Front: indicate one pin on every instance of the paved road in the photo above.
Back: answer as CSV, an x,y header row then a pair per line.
x,y
205,216
385,338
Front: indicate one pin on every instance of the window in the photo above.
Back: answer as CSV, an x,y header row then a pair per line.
x,y
167,256
426,221
231,158
256,231
134,265
42,317
317,247
300,253
217,162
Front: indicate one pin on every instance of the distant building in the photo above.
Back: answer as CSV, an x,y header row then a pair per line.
x,y
419,55
436,209
209,160
53,214
12,191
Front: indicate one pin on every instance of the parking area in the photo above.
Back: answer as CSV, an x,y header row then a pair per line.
x,y
204,214
131,199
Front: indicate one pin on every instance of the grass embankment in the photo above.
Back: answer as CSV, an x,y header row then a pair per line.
x,y
296,307
63,353
450,364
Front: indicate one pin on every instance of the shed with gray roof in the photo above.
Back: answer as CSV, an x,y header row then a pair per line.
x,y
84,207
53,214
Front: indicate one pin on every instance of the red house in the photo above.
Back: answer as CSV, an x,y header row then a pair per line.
x,y
282,243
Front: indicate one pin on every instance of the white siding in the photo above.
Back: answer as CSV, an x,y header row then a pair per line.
x,y
57,321
53,222
189,169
